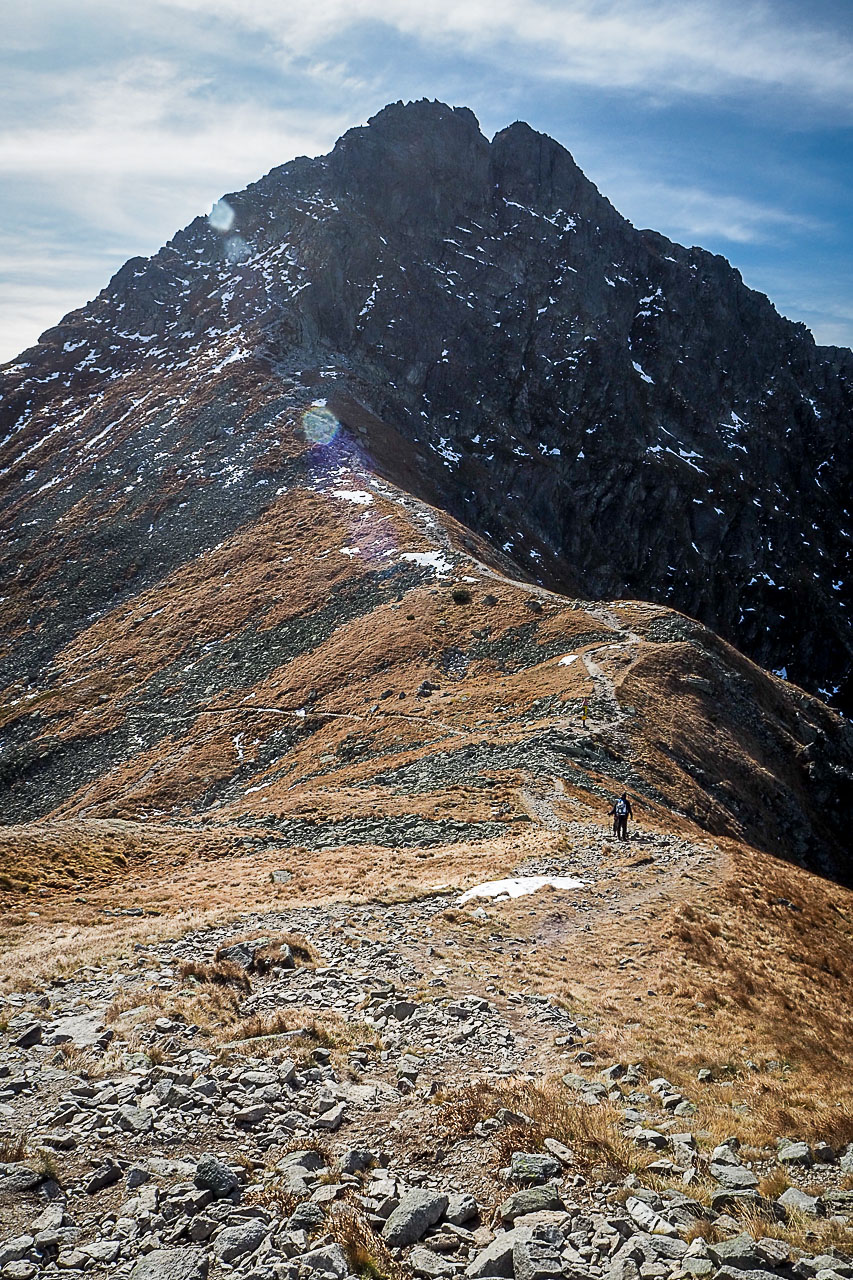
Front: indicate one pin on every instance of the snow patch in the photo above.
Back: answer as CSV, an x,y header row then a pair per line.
x,y
517,887
641,371
429,560
359,496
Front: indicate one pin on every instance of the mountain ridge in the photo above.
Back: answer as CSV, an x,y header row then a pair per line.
x,y
583,432
495,392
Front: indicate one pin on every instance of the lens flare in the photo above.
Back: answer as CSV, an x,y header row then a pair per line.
x,y
320,424
221,216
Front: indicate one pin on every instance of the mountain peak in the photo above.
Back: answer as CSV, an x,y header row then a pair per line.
x,y
529,362
412,163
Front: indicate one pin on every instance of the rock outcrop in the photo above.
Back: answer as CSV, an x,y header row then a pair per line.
x,y
619,414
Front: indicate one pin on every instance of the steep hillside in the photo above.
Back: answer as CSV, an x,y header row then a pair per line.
x,y
497,340
321,672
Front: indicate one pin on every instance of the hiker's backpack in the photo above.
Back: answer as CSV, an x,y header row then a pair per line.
x,y
621,808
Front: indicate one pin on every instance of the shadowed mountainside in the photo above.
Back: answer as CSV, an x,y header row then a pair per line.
x,y
502,343
254,496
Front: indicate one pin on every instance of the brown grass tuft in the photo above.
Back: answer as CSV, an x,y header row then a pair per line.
x,y
221,973
13,1147
366,1252
304,1031
593,1134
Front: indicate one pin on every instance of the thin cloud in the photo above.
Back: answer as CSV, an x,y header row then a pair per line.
x,y
674,49
685,212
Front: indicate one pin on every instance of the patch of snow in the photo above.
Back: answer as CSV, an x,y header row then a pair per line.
x,y
567,660
429,560
639,369
517,887
359,496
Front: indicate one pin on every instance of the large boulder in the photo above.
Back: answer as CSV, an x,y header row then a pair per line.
x,y
172,1264
415,1214
531,1200
242,1238
213,1175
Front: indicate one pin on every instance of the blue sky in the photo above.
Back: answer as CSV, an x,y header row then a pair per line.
x,y
724,124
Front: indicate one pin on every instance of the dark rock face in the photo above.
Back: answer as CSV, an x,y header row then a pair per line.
x,y
620,415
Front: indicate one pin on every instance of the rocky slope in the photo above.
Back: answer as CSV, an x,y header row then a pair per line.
x,y
288,678
339,1090
618,414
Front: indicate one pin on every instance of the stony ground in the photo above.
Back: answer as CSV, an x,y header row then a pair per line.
x,y
350,1089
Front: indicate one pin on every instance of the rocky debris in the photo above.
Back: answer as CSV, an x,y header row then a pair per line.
x,y
235,1163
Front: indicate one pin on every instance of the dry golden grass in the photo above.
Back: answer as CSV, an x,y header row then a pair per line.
x,y
301,1030
211,1006
702,1229
13,1147
813,1235
366,1252
275,1195
304,952
222,973
776,1182
65,946
593,1134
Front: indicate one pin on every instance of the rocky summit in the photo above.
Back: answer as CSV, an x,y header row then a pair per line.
x,y
361,548
492,335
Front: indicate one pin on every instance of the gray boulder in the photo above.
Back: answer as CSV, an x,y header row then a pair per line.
x,y
740,1252
357,1159
172,1264
537,1257
331,1120
241,954
15,1249
657,1248
623,1269
736,1177
104,1176
329,1261
417,1211
212,1175
424,1262
30,1035
306,1217
531,1200
135,1120
497,1258
734,1273
243,1238
796,1201
531,1167
19,1178
727,1198
797,1153
461,1208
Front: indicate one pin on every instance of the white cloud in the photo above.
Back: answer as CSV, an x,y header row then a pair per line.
x,y
118,124
674,48
699,215
116,162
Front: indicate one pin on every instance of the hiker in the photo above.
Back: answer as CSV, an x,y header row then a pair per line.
x,y
621,812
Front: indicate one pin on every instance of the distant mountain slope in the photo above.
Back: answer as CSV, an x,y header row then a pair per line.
x,y
621,415
305,459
